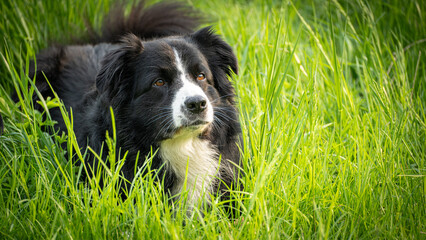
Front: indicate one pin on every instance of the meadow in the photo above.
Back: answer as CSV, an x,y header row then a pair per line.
x,y
332,100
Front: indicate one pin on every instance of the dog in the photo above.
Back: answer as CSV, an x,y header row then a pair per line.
x,y
169,89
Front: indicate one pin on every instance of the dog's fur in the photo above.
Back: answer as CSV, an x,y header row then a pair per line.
x,y
145,66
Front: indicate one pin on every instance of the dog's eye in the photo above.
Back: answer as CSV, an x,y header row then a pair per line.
x,y
201,77
159,82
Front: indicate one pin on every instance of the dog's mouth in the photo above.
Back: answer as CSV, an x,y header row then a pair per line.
x,y
188,128
196,127
196,123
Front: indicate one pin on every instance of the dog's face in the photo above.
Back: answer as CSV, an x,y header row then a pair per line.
x,y
171,86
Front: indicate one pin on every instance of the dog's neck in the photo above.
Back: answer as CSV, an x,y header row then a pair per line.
x,y
194,163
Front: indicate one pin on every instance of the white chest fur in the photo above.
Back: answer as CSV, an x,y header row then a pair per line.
x,y
194,162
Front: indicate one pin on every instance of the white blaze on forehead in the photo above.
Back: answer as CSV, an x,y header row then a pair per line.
x,y
179,64
188,89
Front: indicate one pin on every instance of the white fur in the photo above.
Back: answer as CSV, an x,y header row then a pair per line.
x,y
193,161
188,89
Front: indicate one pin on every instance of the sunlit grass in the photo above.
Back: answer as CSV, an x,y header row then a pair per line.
x,y
332,103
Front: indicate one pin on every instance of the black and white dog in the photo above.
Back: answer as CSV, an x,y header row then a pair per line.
x,y
168,87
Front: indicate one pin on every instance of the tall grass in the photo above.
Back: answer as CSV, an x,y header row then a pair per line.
x,y
332,103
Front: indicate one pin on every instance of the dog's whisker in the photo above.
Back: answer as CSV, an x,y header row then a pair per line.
x,y
224,116
165,121
165,127
157,117
163,107
225,109
222,97
220,121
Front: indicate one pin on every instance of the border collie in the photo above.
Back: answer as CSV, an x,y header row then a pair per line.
x,y
168,87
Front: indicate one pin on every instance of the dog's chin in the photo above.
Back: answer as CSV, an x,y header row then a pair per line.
x,y
191,129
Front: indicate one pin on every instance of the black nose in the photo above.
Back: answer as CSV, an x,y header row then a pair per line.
x,y
196,104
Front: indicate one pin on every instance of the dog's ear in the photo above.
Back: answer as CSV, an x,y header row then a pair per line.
x,y
222,60
116,70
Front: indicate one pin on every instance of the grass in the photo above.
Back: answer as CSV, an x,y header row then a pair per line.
x,y
332,98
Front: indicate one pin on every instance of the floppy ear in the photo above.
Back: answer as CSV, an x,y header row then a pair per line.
x,y
221,59
116,71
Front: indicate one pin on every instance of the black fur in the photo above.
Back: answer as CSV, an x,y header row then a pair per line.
x,y
110,73
160,20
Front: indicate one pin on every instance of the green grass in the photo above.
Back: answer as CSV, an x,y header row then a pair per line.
x,y
332,98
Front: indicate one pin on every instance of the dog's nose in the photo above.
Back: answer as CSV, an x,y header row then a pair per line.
x,y
196,104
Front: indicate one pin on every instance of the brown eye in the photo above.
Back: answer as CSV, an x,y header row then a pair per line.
x,y
201,77
159,83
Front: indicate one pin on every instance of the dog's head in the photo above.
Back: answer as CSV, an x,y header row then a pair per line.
x,y
169,86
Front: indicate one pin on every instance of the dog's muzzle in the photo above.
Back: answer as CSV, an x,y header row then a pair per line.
x,y
191,108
